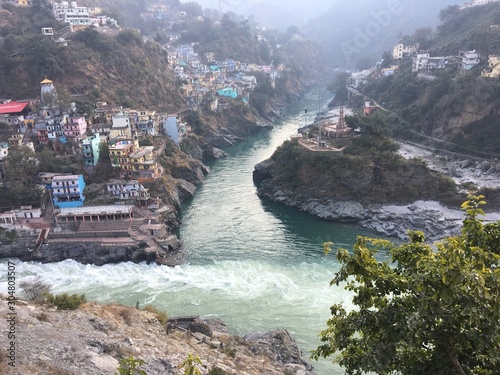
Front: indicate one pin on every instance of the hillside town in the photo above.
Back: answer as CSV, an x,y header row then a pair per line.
x,y
426,65
131,139
134,215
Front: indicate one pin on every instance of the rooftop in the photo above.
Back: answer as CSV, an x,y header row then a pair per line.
x,y
142,152
65,178
12,107
121,146
96,210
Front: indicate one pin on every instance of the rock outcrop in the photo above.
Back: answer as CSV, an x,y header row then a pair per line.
x,y
348,195
88,251
91,341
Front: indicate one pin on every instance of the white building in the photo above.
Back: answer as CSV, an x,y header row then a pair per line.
x,y
120,126
425,63
122,189
9,219
358,78
468,59
55,128
72,14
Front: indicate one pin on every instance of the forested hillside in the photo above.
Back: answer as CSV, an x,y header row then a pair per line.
x,y
118,67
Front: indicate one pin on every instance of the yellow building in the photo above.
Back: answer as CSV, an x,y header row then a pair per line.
x,y
143,164
119,152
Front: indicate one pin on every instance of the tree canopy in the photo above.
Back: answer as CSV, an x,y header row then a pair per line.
x,y
427,310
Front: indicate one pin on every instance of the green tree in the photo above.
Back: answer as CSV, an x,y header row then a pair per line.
x,y
429,310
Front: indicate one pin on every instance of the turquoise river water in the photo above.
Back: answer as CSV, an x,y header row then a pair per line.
x,y
255,264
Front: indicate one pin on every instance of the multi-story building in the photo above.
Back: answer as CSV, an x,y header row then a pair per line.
x,y
493,69
90,149
77,17
121,126
120,150
67,191
40,132
425,63
126,189
75,127
468,59
104,112
102,129
147,127
55,128
400,51
142,164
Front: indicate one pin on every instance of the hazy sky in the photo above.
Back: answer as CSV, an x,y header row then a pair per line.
x,y
273,13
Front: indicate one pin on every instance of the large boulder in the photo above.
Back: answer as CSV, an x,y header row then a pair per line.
x,y
278,345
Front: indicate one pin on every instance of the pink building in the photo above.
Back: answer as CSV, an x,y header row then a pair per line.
x,y
75,127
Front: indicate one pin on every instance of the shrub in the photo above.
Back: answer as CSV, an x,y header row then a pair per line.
x,y
8,236
229,351
216,371
35,290
160,315
65,301
129,366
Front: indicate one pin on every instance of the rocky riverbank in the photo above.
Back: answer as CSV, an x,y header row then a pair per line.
x,y
331,198
88,251
92,339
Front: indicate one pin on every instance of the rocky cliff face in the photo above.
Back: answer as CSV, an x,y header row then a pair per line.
x,y
92,340
347,188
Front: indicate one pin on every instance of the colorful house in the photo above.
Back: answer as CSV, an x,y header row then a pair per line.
x,y
119,152
67,191
75,127
90,149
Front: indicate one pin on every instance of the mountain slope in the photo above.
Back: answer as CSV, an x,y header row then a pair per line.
x,y
365,28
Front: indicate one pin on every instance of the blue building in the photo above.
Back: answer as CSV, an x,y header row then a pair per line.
x,y
173,127
67,191
90,149
228,92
